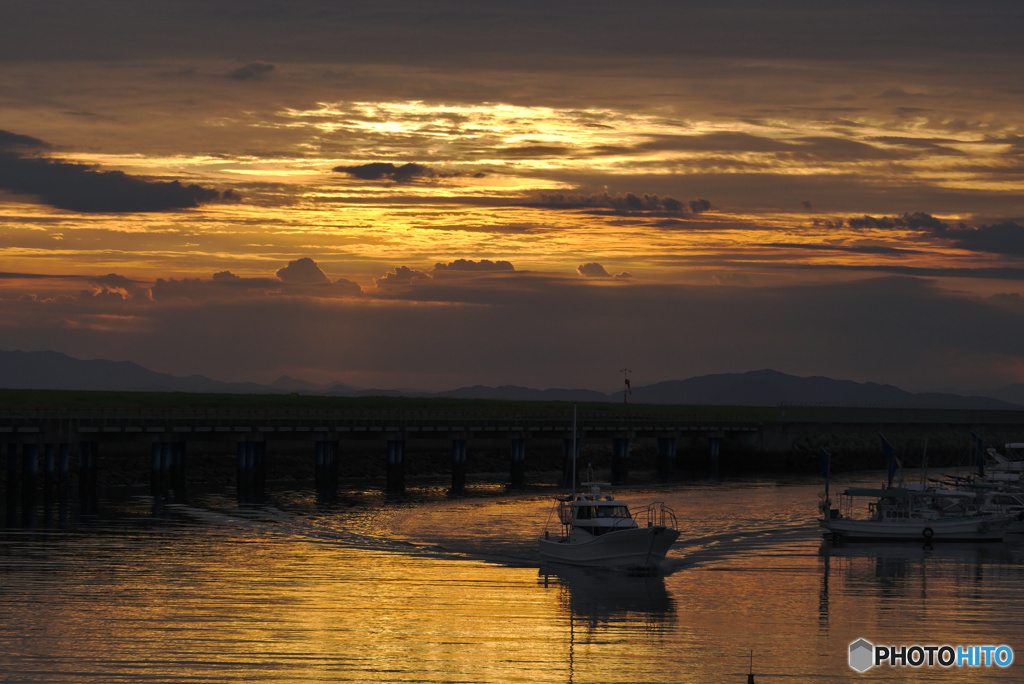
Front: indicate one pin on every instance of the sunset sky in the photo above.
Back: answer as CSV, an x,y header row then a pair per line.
x,y
429,195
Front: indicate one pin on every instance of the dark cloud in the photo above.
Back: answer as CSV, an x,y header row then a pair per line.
x,y
302,271
405,173
593,270
627,203
114,288
114,280
10,140
484,265
78,187
1001,238
299,279
402,275
255,71
916,221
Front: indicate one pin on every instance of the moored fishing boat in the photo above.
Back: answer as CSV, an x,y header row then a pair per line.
x,y
900,513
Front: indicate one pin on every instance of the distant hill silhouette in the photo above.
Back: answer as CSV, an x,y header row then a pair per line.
x,y
53,370
771,388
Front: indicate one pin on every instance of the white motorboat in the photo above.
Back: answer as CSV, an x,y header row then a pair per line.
x,y
1007,468
901,513
599,531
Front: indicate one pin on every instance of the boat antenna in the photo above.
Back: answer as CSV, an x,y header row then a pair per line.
x,y
750,672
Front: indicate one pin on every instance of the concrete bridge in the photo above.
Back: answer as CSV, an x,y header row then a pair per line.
x,y
49,449
56,450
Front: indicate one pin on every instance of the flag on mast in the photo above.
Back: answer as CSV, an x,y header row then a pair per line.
x,y
891,455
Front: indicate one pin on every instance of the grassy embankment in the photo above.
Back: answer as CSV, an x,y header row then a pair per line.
x,y
27,401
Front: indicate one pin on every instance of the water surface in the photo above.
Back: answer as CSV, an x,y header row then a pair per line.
x,y
440,590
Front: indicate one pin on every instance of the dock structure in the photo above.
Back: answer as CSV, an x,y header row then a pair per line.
x,y
66,444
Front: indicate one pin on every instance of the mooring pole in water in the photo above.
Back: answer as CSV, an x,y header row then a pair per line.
x,y
620,460
458,467
395,488
517,463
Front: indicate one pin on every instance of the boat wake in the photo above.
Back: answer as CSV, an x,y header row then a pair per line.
x,y
714,549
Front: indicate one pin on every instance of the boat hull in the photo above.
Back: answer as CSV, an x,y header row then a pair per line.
x,y
640,548
970,529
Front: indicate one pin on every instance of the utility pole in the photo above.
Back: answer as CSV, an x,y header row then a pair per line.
x,y
626,391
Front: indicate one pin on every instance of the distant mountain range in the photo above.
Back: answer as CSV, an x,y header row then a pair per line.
x,y
53,370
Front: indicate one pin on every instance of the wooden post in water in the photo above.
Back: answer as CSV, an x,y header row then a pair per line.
x,y
517,463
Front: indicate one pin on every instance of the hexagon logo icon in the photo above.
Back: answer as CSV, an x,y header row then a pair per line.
x,y
862,654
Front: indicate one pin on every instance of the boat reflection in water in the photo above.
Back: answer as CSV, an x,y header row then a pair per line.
x,y
607,607
600,596
930,583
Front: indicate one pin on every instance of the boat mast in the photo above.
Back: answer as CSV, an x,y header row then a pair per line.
x,y
574,453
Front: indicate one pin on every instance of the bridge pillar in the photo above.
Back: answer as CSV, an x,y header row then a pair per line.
x,y
570,462
714,447
620,460
12,492
51,479
30,478
395,488
167,471
326,471
88,467
666,458
517,466
252,472
458,468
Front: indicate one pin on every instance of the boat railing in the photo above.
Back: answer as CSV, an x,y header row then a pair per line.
x,y
658,513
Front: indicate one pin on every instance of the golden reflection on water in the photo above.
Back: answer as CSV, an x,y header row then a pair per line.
x,y
449,591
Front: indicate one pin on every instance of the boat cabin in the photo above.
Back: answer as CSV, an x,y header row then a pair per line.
x,y
594,513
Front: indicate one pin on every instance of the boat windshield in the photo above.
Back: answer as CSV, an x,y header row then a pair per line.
x,y
590,512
